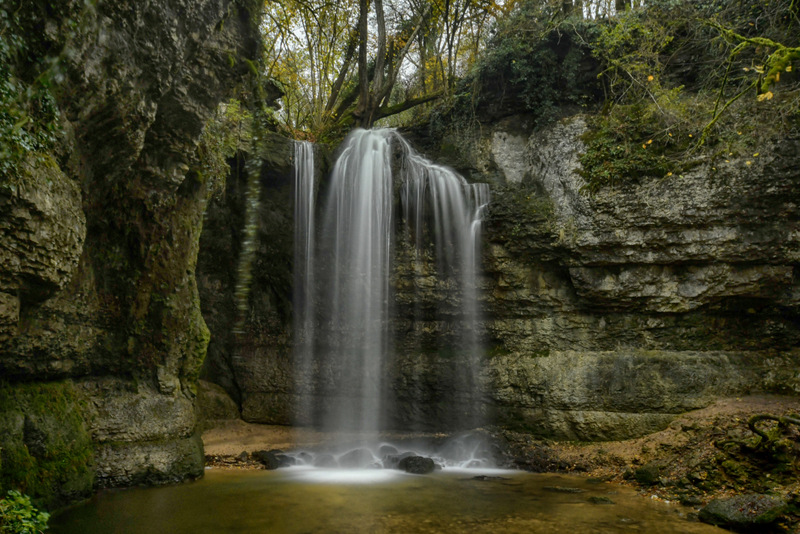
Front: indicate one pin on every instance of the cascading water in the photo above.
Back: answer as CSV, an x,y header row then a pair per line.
x,y
356,242
344,331
304,220
453,210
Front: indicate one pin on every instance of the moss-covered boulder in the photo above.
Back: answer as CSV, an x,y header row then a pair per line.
x,y
744,513
46,450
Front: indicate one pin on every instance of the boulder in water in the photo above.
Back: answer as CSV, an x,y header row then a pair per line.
x,y
305,458
286,460
271,459
392,461
744,512
416,465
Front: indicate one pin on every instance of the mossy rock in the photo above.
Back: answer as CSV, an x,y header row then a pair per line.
x,y
214,404
744,512
45,448
649,474
735,470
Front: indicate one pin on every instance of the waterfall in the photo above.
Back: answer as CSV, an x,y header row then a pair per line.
x,y
347,358
437,197
357,241
479,197
304,330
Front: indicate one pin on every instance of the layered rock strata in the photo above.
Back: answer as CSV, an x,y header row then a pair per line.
x,y
612,311
100,239
604,315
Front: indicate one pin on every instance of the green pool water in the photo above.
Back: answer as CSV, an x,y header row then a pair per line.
x,y
305,500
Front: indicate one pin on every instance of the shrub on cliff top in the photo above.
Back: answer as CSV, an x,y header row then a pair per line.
x,y
687,80
667,84
534,64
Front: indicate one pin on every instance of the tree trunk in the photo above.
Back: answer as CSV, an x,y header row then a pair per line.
x,y
352,42
363,79
375,92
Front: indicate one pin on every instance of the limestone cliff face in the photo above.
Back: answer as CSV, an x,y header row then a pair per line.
x,y
609,312
250,353
604,315
100,240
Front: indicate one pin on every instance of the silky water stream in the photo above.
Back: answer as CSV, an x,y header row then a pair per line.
x,y
344,349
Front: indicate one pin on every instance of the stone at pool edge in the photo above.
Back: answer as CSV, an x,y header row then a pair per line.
x,y
392,461
743,512
417,465
273,459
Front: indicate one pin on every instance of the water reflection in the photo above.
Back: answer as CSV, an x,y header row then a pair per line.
x,y
305,500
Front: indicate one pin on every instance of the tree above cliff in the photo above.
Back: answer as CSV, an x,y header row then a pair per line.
x,y
353,63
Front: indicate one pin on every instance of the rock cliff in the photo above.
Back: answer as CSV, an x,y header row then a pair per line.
x,y
250,353
605,315
610,312
98,299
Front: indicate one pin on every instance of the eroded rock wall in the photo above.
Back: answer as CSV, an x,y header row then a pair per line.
x,y
604,315
609,312
250,352
100,238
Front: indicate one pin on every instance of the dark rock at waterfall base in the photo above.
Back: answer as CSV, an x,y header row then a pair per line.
x,y
393,460
243,456
744,513
648,474
271,459
356,458
286,460
416,465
